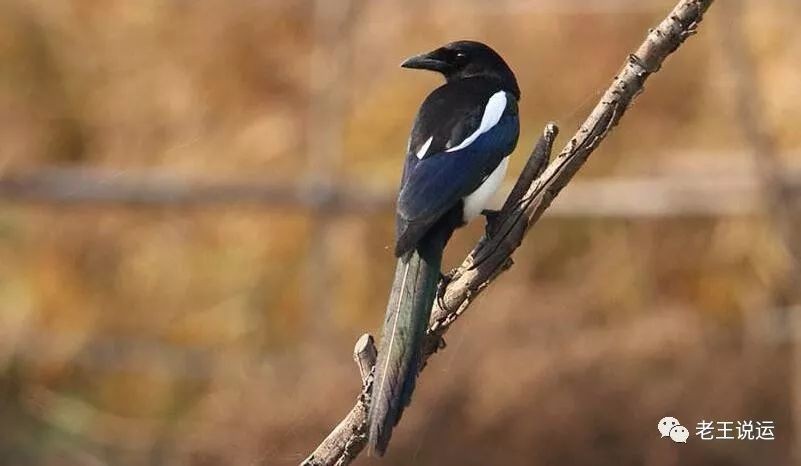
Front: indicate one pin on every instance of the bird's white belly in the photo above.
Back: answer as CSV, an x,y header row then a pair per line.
x,y
476,201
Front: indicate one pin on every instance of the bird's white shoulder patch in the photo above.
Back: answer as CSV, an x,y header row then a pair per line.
x,y
492,115
424,148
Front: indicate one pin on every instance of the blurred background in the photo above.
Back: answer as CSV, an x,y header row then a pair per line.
x,y
196,223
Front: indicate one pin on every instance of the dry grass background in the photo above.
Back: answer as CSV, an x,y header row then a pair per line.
x,y
187,336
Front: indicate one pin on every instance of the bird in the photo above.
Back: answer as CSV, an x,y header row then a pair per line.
x,y
457,156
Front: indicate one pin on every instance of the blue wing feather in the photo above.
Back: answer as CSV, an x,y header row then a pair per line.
x,y
437,183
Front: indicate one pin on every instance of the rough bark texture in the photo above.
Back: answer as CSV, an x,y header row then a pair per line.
x,y
533,193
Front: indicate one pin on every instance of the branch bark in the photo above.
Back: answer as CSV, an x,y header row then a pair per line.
x,y
533,193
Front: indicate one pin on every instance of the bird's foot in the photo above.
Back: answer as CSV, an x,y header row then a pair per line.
x,y
493,220
444,280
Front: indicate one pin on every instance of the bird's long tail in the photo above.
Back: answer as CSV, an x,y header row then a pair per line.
x,y
413,292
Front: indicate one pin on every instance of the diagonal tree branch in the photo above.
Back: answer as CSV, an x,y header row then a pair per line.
x,y
533,193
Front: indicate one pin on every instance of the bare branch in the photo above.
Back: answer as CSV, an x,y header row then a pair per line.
x,y
492,255
535,165
365,353
347,439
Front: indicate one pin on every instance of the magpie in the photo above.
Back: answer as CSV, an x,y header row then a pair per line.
x,y
456,158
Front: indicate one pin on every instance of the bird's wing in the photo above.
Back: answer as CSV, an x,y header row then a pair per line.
x,y
466,141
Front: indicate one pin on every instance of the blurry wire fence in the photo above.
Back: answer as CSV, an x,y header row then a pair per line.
x,y
703,193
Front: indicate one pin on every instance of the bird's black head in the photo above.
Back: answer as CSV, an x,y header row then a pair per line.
x,y
466,59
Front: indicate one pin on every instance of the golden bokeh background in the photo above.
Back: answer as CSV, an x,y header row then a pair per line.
x,y
219,332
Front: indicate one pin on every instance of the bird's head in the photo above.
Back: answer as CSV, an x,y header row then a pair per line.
x,y
466,59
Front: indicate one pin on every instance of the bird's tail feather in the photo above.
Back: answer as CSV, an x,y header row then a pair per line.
x,y
413,292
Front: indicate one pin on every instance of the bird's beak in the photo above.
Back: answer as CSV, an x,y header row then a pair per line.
x,y
425,61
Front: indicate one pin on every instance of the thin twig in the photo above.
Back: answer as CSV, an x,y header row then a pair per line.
x,y
492,256
365,354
